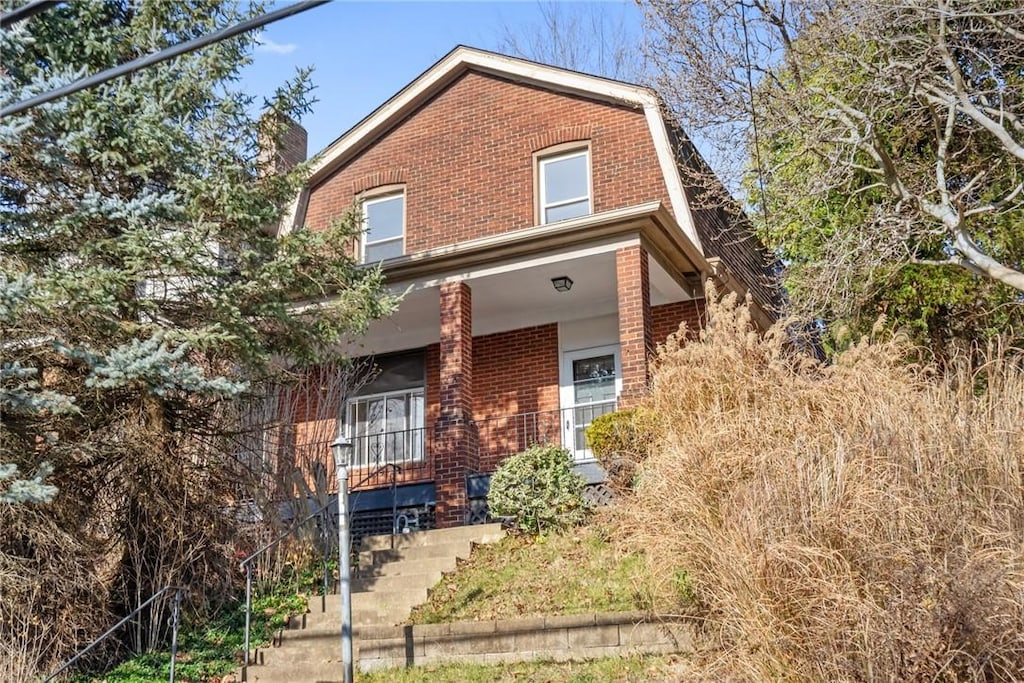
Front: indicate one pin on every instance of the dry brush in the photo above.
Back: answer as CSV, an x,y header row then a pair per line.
x,y
854,521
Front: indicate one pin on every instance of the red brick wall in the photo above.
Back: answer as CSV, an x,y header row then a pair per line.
x,y
432,393
294,144
454,444
515,372
456,351
665,319
466,160
636,337
290,146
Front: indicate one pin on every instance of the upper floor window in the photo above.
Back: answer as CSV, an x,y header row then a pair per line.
x,y
384,219
564,186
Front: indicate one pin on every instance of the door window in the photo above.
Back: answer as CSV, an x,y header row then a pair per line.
x,y
590,385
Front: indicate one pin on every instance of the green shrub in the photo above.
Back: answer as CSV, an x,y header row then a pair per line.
x,y
619,441
538,490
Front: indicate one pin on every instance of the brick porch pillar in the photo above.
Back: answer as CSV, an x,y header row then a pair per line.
x,y
455,439
636,338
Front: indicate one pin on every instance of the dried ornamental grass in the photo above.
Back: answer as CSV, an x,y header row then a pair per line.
x,y
859,521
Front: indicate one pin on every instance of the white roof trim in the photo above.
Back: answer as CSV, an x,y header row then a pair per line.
x,y
670,170
464,58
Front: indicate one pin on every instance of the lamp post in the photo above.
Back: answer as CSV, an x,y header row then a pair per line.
x,y
341,449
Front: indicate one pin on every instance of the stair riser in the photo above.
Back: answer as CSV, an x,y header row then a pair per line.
x,y
421,566
296,671
362,607
483,533
372,558
368,617
401,582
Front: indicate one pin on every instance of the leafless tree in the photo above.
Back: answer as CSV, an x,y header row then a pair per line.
x,y
594,38
894,125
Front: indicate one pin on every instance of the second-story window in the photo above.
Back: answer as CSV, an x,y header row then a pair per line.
x,y
384,218
564,186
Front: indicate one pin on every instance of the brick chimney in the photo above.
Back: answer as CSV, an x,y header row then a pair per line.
x,y
282,142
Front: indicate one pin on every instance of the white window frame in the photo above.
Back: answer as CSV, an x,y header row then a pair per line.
x,y
364,241
542,162
411,452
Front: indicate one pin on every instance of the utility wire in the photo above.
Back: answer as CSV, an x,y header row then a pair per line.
x,y
29,9
157,57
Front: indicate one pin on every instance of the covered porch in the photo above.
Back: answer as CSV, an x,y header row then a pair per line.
x,y
522,339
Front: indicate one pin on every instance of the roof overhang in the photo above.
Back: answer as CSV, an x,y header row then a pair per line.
x,y
657,228
464,59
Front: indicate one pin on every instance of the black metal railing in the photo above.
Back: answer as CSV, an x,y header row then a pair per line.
x,y
325,525
175,622
402,447
247,563
505,435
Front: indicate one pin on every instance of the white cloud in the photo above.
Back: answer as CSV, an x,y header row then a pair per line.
x,y
264,44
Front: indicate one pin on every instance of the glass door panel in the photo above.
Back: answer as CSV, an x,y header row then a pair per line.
x,y
590,385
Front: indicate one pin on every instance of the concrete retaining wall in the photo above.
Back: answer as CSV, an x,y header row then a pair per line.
x,y
561,638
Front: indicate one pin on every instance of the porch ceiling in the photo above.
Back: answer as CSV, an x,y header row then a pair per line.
x,y
513,295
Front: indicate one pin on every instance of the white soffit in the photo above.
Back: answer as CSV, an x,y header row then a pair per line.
x,y
519,264
462,59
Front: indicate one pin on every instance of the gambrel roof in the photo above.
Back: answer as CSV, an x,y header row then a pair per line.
x,y
711,233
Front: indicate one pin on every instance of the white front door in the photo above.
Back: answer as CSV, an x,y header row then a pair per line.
x,y
591,379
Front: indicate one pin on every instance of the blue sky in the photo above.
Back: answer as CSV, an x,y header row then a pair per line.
x,y
365,52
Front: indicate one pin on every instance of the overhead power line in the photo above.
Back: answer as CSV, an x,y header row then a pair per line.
x,y
29,9
156,57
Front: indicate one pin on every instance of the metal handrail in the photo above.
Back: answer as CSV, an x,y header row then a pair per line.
x,y
174,632
394,467
246,563
536,427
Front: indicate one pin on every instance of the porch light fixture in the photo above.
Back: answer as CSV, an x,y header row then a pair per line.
x,y
342,449
562,283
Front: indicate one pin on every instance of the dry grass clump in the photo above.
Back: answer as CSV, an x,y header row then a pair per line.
x,y
859,521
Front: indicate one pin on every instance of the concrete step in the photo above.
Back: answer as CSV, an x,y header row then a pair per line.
x,y
370,558
368,608
363,617
476,533
328,623
366,611
405,598
426,565
398,582
286,669
365,605
393,576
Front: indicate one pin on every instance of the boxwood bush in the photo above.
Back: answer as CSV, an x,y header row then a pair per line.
x,y
538,490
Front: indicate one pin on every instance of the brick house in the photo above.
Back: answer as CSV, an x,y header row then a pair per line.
x,y
537,220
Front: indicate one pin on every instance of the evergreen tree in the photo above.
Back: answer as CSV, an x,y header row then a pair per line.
x,y
144,292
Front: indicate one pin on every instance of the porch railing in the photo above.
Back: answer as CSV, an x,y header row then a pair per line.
x,y
508,434
406,449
